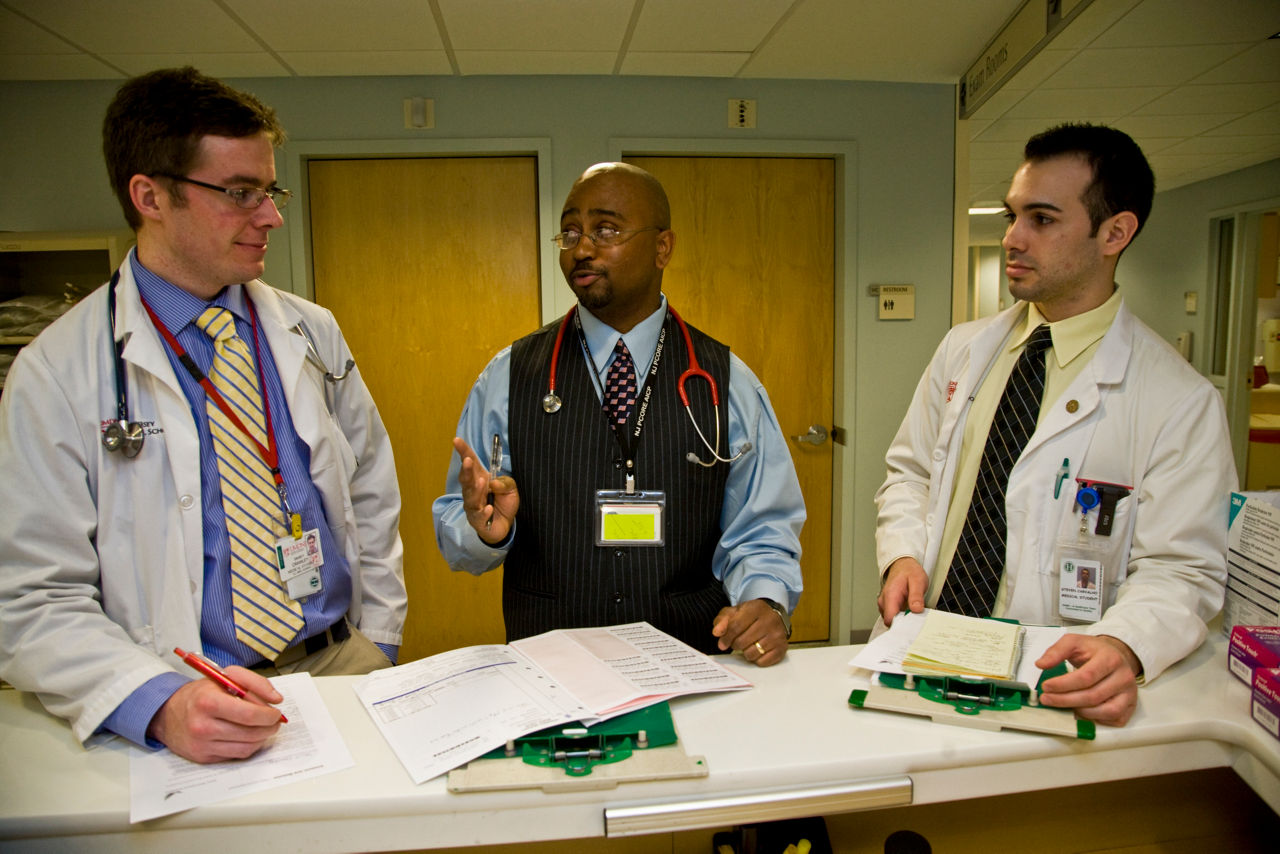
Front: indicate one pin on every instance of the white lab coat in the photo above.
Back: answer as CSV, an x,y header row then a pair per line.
x,y
101,557
1137,415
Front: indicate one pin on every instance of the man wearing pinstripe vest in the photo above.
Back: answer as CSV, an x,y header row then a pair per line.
x,y
605,500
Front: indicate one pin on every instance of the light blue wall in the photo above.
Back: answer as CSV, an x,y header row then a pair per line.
x,y
900,222
1171,255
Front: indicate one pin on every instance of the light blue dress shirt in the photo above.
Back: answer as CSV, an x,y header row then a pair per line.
x,y
758,555
178,311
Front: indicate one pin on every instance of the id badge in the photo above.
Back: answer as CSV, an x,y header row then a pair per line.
x,y
299,561
629,518
1080,580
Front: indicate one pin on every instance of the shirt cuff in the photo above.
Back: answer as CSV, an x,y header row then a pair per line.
x,y
390,650
132,717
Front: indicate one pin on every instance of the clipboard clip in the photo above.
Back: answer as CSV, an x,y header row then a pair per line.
x,y
576,750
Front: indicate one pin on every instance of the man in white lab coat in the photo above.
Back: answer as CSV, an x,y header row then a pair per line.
x,y
1129,466
115,542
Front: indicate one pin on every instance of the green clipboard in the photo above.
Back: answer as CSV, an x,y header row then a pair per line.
x,y
978,703
640,745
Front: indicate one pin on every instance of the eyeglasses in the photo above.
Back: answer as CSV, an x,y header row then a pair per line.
x,y
603,236
244,197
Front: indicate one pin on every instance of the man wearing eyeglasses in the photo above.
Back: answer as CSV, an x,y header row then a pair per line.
x,y
605,497
178,466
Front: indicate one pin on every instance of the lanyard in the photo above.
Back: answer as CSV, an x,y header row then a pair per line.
x,y
267,452
628,441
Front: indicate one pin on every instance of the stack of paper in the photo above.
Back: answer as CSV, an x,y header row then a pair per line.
x,y
948,644
956,645
442,711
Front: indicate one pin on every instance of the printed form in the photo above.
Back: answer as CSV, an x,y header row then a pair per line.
x,y
443,711
309,745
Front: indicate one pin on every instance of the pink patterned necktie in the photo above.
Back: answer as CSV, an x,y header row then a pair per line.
x,y
620,385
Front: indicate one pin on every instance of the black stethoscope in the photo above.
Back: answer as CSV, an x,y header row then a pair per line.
x,y
551,401
122,434
127,436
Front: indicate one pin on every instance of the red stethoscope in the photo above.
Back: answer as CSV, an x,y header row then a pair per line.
x,y
551,401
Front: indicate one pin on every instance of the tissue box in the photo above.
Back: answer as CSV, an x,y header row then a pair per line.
x,y
1265,707
1253,647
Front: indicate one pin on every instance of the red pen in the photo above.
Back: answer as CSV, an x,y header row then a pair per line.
x,y
211,670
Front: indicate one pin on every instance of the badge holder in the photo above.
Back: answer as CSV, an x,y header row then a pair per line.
x,y
630,518
299,560
1081,573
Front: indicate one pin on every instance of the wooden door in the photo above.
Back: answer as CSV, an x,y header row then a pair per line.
x,y
431,267
754,266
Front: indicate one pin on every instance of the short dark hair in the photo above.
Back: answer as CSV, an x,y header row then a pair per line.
x,y
1122,178
156,121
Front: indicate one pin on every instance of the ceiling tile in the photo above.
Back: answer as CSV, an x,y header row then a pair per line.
x,y
117,26
1005,151
79,66
1258,64
1224,98
1254,124
1155,23
1019,130
976,126
340,25
559,27
1153,66
213,64
1227,145
534,62
356,63
1171,126
20,36
663,64
846,40
999,103
1086,103
706,25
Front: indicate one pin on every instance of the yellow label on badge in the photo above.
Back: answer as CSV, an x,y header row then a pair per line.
x,y
295,525
630,526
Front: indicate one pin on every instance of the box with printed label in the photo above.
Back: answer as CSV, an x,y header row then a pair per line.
x,y
1265,707
1252,647
1253,561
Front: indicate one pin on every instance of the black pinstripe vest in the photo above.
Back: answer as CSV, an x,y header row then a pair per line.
x,y
555,576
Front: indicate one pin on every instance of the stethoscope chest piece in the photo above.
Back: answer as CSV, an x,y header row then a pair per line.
x,y
123,436
551,403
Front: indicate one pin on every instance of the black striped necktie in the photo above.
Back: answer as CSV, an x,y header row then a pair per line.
x,y
978,564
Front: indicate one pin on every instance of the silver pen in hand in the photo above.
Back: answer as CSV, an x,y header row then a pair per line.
x,y
495,463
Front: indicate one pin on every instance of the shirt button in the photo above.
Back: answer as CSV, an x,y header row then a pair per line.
x,y
939,455
619,554
187,502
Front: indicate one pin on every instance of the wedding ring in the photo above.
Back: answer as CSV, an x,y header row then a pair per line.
x,y
759,648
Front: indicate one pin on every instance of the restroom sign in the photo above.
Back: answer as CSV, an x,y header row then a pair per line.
x,y
897,302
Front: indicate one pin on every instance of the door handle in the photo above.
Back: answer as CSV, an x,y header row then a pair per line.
x,y
817,435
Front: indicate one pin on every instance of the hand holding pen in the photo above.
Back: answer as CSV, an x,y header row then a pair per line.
x,y
212,671
490,499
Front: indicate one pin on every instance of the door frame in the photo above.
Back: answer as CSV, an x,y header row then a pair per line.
x,y
297,155
1241,329
847,526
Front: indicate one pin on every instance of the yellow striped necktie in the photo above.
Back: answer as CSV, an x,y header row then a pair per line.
x,y
266,618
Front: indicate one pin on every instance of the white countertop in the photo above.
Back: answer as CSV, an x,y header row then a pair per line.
x,y
790,745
